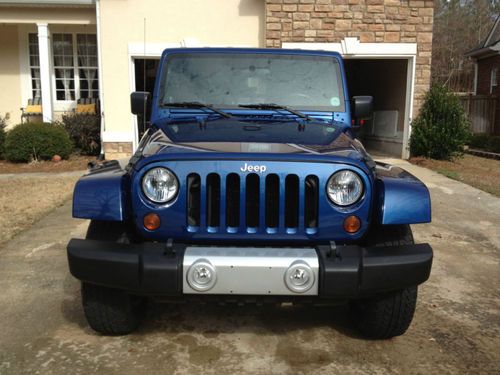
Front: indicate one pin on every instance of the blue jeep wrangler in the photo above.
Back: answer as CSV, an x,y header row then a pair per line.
x,y
249,185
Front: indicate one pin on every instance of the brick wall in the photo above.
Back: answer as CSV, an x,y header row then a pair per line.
x,y
330,21
484,68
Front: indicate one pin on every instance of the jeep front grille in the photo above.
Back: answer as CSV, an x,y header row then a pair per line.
x,y
252,203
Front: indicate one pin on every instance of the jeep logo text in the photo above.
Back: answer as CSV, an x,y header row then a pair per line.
x,y
253,168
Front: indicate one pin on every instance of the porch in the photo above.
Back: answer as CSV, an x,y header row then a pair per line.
x,y
49,60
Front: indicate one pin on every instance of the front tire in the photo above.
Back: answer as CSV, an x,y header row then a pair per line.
x,y
110,311
386,315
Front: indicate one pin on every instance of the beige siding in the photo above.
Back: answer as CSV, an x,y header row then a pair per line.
x,y
10,84
211,22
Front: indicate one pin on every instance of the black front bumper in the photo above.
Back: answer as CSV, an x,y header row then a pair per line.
x,y
155,269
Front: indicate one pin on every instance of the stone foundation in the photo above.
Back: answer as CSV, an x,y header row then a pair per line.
x,y
117,150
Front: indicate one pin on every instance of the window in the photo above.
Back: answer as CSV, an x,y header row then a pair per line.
x,y
36,87
87,65
74,59
493,82
64,66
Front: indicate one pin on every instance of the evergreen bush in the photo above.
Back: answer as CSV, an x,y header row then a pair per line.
x,y
494,144
442,129
37,141
479,140
486,142
2,136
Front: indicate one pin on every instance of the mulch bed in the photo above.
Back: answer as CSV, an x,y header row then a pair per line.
x,y
482,173
74,163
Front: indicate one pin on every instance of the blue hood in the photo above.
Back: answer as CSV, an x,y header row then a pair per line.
x,y
290,140
284,130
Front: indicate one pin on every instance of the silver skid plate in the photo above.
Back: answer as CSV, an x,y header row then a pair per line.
x,y
250,271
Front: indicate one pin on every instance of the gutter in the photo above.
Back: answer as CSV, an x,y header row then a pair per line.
x,y
482,52
49,3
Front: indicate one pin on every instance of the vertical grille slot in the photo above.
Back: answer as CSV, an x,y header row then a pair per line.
x,y
272,201
252,200
252,203
311,202
292,201
213,200
232,200
193,200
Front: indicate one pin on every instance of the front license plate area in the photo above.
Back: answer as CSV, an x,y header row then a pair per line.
x,y
250,271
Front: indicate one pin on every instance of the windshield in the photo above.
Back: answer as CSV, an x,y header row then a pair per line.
x,y
228,80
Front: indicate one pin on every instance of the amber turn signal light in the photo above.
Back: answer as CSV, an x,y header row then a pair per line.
x,y
151,221
352,224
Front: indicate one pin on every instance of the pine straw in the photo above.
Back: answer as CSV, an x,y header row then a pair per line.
x,y
482,173
74,163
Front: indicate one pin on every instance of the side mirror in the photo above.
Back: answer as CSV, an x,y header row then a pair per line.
x,y
139,102
362,107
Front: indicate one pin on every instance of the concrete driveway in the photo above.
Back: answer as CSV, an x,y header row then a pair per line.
x,y
456,328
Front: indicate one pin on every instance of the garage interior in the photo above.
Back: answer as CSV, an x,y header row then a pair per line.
x,y
145,77
386,81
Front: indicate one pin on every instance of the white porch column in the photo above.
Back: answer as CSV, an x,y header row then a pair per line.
x,y
45,81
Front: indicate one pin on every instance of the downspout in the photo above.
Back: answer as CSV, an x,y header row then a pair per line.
x,y
99,74
475,77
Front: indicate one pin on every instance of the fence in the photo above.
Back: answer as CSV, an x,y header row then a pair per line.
x,y
480,110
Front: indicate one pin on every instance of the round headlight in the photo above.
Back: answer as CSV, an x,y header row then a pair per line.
x,y
344,188
160,185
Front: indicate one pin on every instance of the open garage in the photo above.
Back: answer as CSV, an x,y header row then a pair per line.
x,y
385,71
386,81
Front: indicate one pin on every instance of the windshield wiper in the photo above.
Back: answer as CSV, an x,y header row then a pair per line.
x,y
276,107
197,105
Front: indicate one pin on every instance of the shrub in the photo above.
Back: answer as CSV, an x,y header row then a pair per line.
x,y
2,136
442,129
494,144
2,141
35,141
485,142
479,140
85,132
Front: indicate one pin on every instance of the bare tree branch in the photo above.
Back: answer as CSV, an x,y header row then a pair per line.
x,y
459,26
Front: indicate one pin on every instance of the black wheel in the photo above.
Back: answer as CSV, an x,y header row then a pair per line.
x,y
110,311
388,314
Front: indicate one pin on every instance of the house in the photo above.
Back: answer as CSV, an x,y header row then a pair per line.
x,y
486,58
60,51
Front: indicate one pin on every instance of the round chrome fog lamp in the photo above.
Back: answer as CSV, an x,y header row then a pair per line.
x,y
201,276
299,277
